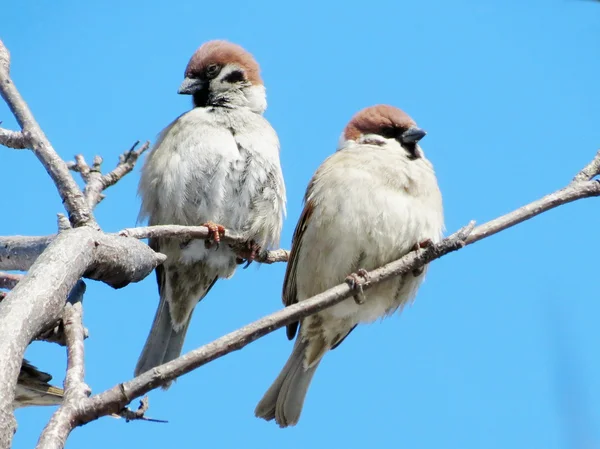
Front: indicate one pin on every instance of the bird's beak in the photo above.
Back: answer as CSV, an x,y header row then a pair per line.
x,y
190,86
412,135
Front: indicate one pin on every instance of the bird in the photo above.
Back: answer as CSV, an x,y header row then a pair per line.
x,y
371,202
33,388
216,165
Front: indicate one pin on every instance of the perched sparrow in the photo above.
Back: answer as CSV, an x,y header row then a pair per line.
x,y
33,388
218,163
368,204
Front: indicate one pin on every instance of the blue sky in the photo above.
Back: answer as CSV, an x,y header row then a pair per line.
x,y
500,348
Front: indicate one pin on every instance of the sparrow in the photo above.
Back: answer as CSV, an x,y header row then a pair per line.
x,y
371,202
33,388
217,163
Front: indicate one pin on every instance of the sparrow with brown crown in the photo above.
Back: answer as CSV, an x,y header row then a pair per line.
x,y
218,163
370,203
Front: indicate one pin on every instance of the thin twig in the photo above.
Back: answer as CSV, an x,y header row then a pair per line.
x,y
238,241
139,414
590,171
75,387
95,181
76,390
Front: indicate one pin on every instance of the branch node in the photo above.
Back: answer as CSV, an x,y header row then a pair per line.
x,y
63,222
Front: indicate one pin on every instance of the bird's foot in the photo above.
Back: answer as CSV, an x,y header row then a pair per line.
x,y
422,245
248,253
215,231
356,282
417,246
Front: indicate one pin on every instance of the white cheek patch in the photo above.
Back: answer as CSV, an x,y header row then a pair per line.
x,y
372,139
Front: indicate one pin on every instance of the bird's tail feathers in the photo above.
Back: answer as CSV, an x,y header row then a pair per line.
x,y
164,343
284,400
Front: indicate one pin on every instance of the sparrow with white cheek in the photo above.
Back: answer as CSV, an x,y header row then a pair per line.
x,y
33,388
370,203
218,163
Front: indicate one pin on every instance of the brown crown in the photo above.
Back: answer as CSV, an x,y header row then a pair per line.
x,y
223,53
375,119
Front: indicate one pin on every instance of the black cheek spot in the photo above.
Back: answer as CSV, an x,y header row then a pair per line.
x,y
201,98
236,76
411,149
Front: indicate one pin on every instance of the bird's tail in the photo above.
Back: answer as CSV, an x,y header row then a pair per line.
x,y
33,388
283,401
164,343
27,395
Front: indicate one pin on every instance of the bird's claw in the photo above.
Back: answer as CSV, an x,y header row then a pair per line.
x,y
356,283
422,245
248,254
215,232
417,246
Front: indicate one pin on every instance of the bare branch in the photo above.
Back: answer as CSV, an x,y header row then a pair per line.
x,y
118,260
582,186
80,166
60,425
95,181
79,213
13,139
37,301
590,171
201,232
139,414
55,332
62,222
115,399
126,164
9,280
75,387
20,252
4,59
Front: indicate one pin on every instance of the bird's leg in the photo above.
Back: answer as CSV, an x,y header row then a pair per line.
x,y
216,231
248,253
416,247
355,283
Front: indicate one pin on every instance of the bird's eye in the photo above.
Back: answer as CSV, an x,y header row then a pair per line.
x,y
212,70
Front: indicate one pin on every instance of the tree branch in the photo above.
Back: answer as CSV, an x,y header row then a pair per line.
x,y
201,232
118,260
19,252
60,425
113,400
12,139
37,301
9,280
79,213
54,333
95,181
